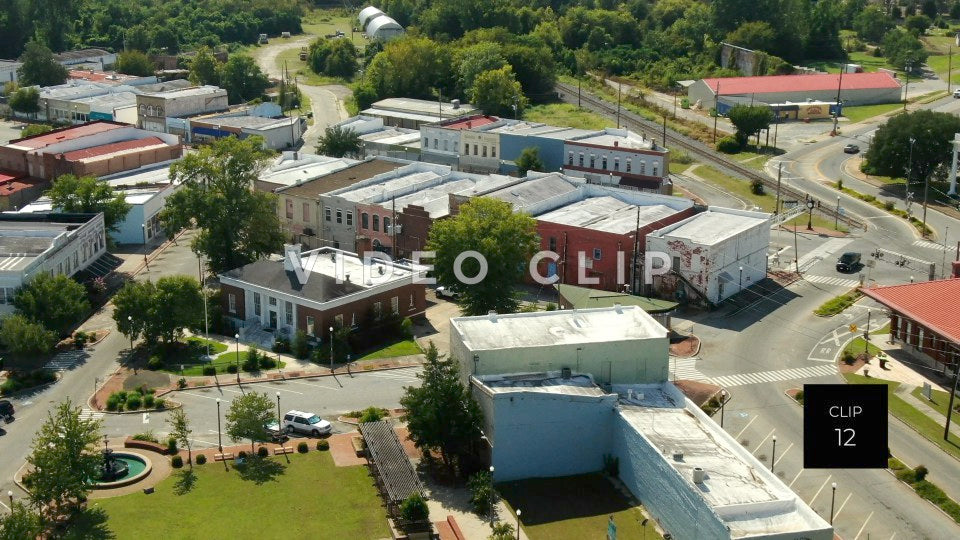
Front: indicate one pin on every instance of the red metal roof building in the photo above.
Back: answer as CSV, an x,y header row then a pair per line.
x,y
924,316
16,190
855,88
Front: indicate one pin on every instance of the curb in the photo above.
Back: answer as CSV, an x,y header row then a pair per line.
x,y
43,386
941,510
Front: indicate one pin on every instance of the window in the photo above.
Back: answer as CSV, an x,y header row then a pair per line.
x,y
603,163
436,143
628,165
445,145
289,209
338,321
386,225
288,312
593,161
306,211
493,151
553,243
676,264
272,301
326,213
353,319
76,259
581,159
377,309
349,217
376,222
256,304
426,142
643,166
232,303
484,149
616,164
466,149
336,244
339,216
569,158
596,254
411,301
395,304
364,220
474,149
60,268
654,169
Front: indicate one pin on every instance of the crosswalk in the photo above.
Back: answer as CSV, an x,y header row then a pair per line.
x,y
686,369
929,245
759,377
395,375
821,252
64,360
828,280
90,414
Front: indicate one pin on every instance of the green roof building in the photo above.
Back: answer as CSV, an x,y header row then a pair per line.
x,y
573,297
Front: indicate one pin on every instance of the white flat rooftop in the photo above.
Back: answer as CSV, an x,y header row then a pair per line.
x,y
435,199
374,111
394,187
423,106
150,175
607,214
287,171
534,191
711,227
631,141
550,328
548,383
187,92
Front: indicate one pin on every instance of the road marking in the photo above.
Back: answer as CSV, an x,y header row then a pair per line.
x,y
745,427
760,445
822,251
795,478
864,527
758,377
783,454
204,442
685,368
835,516
90,414
315,385
810,502
394,376
836,281
275,387
64,361
225,400
146,418
5,506
929,245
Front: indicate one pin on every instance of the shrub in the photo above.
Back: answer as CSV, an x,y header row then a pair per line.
x,y
181,383
80,339
302,447
728,145
550,307
799,396
160,403
145,436
848,358
242,454
685,103
133,402
920,472
232,368
263,451
372,414
300,345
112,403
323,444
209,371
888,205
148,401
267,363
201,459
840,184
414,508
480,485
171,446
154,363
176,462
756,187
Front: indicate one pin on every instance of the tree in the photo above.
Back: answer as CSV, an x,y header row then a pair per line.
x,y
889,153
204,67
504,238
87,194
39,67
902,48
63,458
246,417
929,9
165,39
36,129
243,79
237,225
757,35
334,57
25,100
529,160
57,302
414,508
180,430
338,141
158,311
475,59
955,10
917,24
497,92
823,35
22,336
20,523
135,63
749,120
411,66
441,414
502,531
872,24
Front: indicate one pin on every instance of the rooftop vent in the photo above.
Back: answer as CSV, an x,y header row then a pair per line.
x,y
699,475
678,455
565,373
347,275
455,103
492,315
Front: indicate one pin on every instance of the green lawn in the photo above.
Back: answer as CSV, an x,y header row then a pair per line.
x,y
573,508
859,113
837,304
740,188
221,363
302,71
215,346
926,426
321,22
858,346
940,401
566,114
307,498
869,61
400,348
677,168
818,221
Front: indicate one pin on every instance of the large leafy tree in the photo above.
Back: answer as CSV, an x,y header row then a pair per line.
x,y
63,458
890,152
247,415
25,100
411,66
473,60
504,238
20,335
497,92
872,24
243,79
237,224
902,48
338,141
20,523
529,160
87,194
158,311
53,21
441,414
135,63
335,57
749,120
204,68
39,67
57,302
754,35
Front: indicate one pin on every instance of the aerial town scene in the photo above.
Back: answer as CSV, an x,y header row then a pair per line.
x,y
447,270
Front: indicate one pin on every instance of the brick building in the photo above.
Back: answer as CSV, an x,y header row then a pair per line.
x,y
314,290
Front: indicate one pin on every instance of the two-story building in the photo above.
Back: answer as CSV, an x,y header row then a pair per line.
x,y
154,108
619,157
461,139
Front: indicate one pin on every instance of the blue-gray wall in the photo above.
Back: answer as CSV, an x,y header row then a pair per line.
x,y
130,230
551,149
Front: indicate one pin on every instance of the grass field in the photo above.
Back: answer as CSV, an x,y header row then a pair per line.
x,y
860,113
565,114
307,498
677,168
321,22
573,508
926,426
400,348
740,188
818,221
837,304
858,346
940,401
221,363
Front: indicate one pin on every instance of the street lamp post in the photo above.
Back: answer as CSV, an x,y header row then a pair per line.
x,y
236,359
491,497
833,499
810,205
836,218
740,285
130,320
773,457
10,496
723,401
219,436
518,523
331,349
278,410
906,188
143,228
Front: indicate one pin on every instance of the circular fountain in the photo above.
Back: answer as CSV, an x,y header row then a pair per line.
x,y
121,469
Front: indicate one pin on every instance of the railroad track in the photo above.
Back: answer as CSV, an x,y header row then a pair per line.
x,y
699,150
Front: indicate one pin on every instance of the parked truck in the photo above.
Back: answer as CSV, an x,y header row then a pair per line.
x,y
262,39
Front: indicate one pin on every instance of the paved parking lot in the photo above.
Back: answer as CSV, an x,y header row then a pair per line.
x,y
8,131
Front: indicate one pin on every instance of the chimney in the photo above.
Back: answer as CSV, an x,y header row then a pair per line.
x,y
956,269
492,315
616,144
291,257
469,124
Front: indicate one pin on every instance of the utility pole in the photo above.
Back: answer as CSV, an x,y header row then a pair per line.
x,y
906,88
836,218
619,87
716,111
943,263
636,249
796,250
926,183
776,209
836,111
664,130
579,82
949,66
953,388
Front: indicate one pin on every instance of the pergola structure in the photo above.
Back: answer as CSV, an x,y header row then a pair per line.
x,y
394,472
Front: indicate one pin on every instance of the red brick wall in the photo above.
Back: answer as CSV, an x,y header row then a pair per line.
x,y
226,291
415,227
324,320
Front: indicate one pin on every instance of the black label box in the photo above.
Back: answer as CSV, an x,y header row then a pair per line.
x,y
845,426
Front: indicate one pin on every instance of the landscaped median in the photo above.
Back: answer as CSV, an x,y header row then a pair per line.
x,y
887,206
837,304
916,479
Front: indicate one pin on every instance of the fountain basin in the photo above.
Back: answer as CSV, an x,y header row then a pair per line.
x,y
138,467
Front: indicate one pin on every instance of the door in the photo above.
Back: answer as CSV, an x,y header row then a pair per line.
x,y
273,319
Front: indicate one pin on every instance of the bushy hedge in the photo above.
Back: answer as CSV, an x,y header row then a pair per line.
x,y
176,462
728,145
201,459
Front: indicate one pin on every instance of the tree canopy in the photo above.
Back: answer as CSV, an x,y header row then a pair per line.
x,y
872,24
338,141
505,239
204,68
20,335
901,48
242,78
20,523
25,100
180,430
890,152
334,57
87,194
529,160
237,225
749,120
158,311
135,63
247,415
39,67
57,302
497,92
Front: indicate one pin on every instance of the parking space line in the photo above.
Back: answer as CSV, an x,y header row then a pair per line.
x,y
278,389
864,527
795,478
844,503
5,506
203,442
810,502
745,427
783,454
315,385
204,397
760,444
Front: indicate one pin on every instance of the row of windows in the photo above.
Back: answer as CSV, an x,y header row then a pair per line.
x,y
597,252
328,213
616,163
365,222
478,150
61,114
287,308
